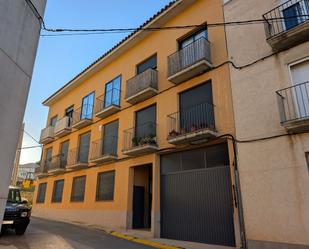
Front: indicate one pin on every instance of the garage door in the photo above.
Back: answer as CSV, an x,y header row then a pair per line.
x,y
196,196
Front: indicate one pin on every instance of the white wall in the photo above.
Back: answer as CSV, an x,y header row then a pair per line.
x,y
19,34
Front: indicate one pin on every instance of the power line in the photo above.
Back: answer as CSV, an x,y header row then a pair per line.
x,y
31,136
30,147
128,30
76,32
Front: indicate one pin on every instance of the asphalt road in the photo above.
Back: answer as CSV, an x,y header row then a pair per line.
x,y
47,234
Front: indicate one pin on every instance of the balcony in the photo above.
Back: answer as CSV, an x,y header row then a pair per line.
x,y
192,125
142,86
41,171
47,135
77,158
63,127
56,165
140,140
107,104
293,103
190,61
104,150
287,25
82,117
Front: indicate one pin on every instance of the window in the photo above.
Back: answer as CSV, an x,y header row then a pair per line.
x,y
64,150
217,155
105,186
112,92
110,138
196,110
78,188
48,156
194,37
69,113
145,123
87,106
83,149
57,191
41,193
149,63
170,163
53,121
196,156
14,196
296,14
204,158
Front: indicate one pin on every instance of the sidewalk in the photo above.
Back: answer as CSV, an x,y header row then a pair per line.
x,y
145,237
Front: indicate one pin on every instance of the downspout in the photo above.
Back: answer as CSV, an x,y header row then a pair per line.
x,y
238,196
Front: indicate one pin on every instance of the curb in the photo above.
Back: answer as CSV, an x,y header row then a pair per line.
x,y
142,241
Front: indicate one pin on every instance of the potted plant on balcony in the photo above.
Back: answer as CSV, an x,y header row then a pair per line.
x,y
135,141
193,128
173,133
150,139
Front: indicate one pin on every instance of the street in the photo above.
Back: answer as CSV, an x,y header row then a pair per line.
x,y
43,234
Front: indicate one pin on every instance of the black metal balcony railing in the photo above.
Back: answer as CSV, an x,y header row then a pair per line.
x,y
42,169
188,56
286,16
293,102
82,113
104,147
78,156
144,134
110,98
141,82
57,162
192,119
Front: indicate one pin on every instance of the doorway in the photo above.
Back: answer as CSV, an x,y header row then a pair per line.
x,y
142,197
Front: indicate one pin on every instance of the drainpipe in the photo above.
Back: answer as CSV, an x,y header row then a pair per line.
x,y
238,195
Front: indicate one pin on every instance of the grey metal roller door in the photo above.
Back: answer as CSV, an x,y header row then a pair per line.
x,y
196,197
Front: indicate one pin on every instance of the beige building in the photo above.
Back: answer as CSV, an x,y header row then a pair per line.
x,y
271,110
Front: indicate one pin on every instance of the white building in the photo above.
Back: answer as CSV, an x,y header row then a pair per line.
x,y
26,171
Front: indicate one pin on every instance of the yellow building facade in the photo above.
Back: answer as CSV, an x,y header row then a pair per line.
x,y
127,139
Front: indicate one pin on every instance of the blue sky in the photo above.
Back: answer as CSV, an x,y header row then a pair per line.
x,y
59,59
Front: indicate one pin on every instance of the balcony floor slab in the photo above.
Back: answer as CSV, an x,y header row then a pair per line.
x,y
296,126
62,132
192,71
290,38
142,149
142,95
82,123
104,159
77,166
192,137
56,171
46,140
105,112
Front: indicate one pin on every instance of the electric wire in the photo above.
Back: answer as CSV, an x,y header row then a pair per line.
x,y
134,29
31,136
30,147
79,32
